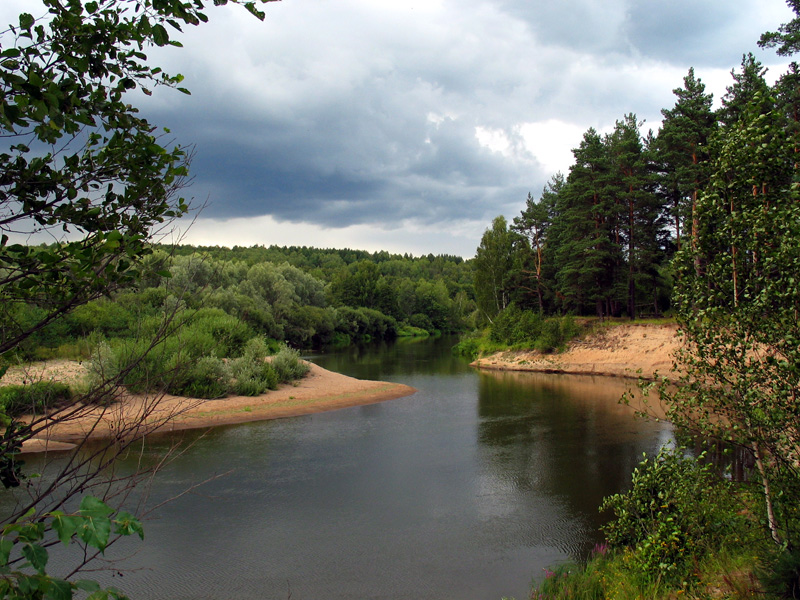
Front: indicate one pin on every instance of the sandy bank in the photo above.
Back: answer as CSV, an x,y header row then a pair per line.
x,y
619,351
320,390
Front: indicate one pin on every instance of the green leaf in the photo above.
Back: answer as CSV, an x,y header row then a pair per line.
x,y
251,8
6,546
87,585
160,35
127,524
65,526
91,506
36,555
96,526
26,21
59,590
95,531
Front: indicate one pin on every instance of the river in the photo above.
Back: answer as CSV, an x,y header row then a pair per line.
x,y
468,489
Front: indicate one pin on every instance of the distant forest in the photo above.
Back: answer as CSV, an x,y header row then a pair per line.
x,y
601,239
300,296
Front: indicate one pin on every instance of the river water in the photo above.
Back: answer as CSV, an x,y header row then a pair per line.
x,y
468,489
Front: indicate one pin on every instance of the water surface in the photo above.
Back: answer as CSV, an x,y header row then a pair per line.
x,y
467,489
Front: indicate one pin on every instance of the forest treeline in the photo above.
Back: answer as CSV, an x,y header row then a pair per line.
x,y
600,239
303,297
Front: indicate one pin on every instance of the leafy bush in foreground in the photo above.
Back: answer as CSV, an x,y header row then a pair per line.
x,y
252,374
677,512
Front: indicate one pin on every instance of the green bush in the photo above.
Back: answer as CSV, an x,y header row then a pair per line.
x,y
476,345
528,327
411,331
421,321
678,511
16,400
252,374
502,328
550,338
208,378
469,348
288,365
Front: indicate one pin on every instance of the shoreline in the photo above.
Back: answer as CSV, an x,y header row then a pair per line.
x,y
320,390
631,351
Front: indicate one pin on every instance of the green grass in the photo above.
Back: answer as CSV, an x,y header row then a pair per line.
x,y
411,331
615,575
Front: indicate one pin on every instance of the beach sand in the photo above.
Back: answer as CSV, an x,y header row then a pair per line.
x,y
619,351
320,390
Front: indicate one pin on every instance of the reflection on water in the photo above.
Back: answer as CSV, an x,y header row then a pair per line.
x,y
566,436
467,489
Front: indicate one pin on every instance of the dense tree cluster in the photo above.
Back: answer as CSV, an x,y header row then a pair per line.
x,y
302,296
600,240
702,218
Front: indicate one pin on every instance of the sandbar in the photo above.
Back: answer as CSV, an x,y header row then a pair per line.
x,y
320,390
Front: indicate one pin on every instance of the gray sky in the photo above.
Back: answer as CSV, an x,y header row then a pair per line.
x,y
408,125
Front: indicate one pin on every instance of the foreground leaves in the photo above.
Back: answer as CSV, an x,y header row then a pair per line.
x,y
23,548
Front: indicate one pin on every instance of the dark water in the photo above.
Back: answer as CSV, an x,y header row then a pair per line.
x,y
467,489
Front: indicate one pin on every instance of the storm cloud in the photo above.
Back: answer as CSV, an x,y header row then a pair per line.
x,y
409,125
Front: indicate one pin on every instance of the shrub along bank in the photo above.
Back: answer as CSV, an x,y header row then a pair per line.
x,y
517,329
683,530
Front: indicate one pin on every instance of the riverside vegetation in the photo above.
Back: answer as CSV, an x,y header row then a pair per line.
x,y
220,311
702,219
729,179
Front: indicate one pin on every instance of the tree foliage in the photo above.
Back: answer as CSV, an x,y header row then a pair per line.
x,y
79,165
494,262
741,361
82,169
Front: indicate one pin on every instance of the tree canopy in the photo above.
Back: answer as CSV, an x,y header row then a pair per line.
x,y
80,168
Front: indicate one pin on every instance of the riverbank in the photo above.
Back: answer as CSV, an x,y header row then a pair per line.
x,y
639,350
320,390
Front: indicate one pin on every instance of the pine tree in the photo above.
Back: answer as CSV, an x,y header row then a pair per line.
x,y
534,224
787,94
682,152
634,199
787,38
748,83
587,252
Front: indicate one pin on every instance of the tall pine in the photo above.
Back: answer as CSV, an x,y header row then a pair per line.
x,y
534,225
587,252
682,153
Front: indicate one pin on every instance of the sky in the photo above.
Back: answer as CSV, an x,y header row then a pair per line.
x,y
407,125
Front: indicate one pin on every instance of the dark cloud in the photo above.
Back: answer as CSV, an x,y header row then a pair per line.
x,y
411,113
690,32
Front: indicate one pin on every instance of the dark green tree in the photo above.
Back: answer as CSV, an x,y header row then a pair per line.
x,y
533,224
636,202
682,153
748,83
787,38
587,243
